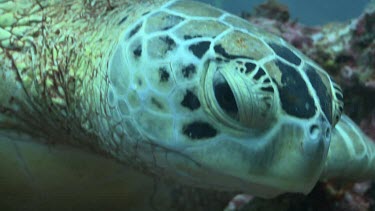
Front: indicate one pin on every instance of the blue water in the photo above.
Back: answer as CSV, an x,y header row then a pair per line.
x,y
311,12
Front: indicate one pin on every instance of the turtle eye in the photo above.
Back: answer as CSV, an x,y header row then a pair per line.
x,y
224,95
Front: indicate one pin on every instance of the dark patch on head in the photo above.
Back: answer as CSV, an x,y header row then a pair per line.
x,y
294,94
268,89
338,91
225,96
135,30
167,28
339,96
219,59
249,67
169,41
188,71
190,101
139,81
242,69
164,75
189,37
171,21
220,50
199,130
285,53
200,48
323,93
338,115
157,103
260,73
138,51
145,13
123,20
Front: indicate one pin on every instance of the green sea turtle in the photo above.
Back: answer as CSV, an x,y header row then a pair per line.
x,y
177,89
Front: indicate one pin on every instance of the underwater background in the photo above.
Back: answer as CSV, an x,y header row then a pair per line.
x,y
307,12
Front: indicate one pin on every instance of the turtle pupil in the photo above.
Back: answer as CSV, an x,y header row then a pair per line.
x,y
225,96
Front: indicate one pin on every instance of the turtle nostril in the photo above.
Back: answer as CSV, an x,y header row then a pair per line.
x,y
314,131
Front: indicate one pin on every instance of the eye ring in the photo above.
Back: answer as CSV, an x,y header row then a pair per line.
x,y
221,107
235,100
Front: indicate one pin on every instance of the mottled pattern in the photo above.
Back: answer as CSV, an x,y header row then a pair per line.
x,y
176,89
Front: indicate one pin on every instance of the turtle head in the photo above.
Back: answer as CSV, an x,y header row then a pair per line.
x,y
211,100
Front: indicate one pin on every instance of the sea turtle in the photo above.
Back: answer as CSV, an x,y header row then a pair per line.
x,y
177,89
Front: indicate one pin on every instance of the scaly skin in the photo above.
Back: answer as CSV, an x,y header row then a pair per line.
x,y
45,77
178,89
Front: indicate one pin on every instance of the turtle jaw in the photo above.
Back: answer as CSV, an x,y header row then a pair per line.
x,y
288,159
